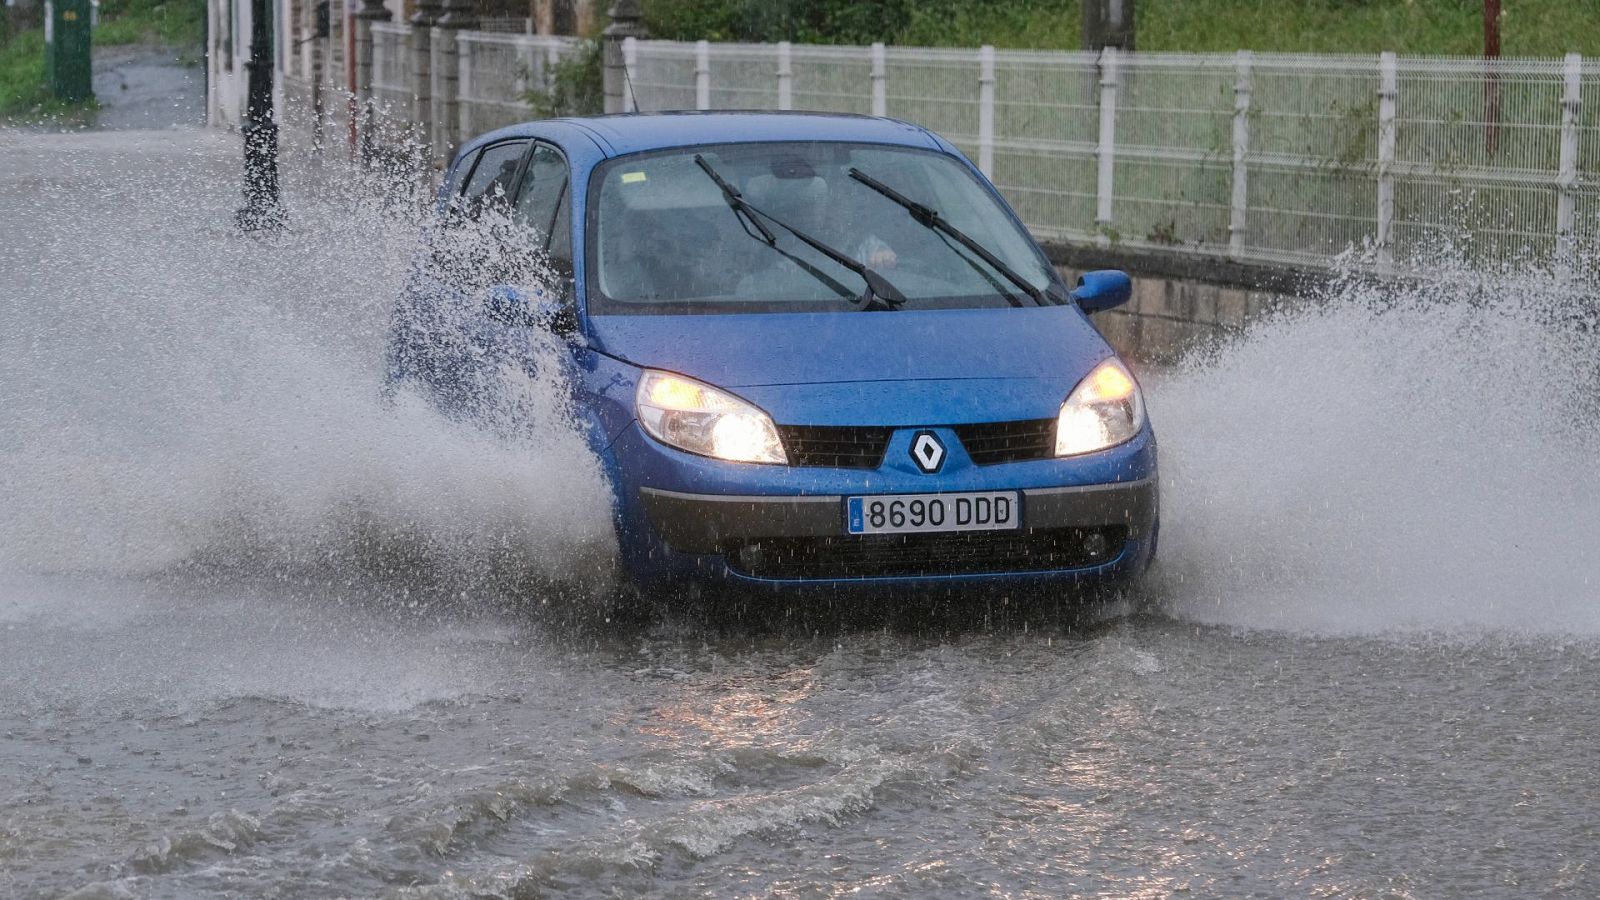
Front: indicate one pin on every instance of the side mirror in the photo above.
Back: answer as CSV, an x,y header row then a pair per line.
x,y
1105,289
511,305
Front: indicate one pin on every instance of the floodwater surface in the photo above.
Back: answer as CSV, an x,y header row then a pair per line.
x,y
264,634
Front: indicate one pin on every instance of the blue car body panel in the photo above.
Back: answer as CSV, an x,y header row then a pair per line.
x,y
909,371
814,348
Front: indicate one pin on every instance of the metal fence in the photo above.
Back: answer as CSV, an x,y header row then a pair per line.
x,y
392,66
506,24
1258,157
497,70
1268,158
497,73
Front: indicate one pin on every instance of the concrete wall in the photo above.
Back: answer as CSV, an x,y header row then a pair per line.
x,y
1179,304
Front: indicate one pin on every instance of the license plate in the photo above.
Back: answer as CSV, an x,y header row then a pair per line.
x,y
928,513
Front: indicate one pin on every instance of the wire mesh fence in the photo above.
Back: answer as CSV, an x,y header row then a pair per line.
x,y
1270,158
1273,158
506,24
498,71
393,80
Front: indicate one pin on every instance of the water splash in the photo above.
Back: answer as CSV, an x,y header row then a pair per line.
x,y
174,393
1391,457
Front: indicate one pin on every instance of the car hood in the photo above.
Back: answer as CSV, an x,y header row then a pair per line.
x,y
891,368
824,348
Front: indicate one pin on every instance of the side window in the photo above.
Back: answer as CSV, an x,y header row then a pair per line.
x,y
542,204
561,236
493,179
459,174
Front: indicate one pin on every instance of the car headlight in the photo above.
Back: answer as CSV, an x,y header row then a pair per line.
x,y
1104,410
696,417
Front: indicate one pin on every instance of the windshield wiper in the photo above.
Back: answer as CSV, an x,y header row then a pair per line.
x,y
748,219
741,206
928,217
880,294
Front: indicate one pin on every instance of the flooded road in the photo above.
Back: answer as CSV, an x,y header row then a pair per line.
x,y
259,741
256,637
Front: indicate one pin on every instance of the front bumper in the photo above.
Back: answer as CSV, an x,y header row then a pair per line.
x,y
684,517
708,523
1077,533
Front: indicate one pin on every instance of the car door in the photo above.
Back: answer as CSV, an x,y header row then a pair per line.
x,y
432,342
543,209
539,270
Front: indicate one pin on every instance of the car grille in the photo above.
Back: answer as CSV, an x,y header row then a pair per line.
x,y
913,555
863,446
989,443
839,447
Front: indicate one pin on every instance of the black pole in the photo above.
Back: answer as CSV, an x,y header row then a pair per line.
x,y
1108,23
263,209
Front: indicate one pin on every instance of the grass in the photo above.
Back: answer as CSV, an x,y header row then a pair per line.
x,y
1409,27
171,22
22,88
23,94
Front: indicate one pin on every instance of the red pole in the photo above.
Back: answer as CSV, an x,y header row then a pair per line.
x,y
1491,29
1491,75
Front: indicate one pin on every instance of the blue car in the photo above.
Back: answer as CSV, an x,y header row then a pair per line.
x,y
811,351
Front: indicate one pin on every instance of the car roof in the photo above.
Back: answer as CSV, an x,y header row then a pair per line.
x,y
617,135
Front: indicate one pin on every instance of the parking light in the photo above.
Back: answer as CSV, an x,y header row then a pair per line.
x,y
696,417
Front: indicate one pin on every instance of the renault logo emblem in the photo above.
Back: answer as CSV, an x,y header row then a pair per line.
x,y
927,451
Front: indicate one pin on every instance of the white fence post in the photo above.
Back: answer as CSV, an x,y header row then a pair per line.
x,y
702,74
1388,93
532,71
552,55
785,77
1107,149
1242,87
880,82
630,70
986,110
465,49
1567,178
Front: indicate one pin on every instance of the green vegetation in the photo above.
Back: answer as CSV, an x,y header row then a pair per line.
x,y
1413,27
576,86
178,23
175,23
22,89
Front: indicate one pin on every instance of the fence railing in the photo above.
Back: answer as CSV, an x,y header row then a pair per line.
x,y
1272,158
393,81
1269,158
497,73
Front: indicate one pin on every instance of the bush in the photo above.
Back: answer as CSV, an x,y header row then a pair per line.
x,y
575,86
811,21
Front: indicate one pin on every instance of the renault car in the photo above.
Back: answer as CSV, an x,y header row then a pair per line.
x,y
808,350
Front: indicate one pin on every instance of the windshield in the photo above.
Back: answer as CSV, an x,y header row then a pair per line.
x,y
664,239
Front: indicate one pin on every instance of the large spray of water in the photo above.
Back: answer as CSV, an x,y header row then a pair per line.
x,y
173,393
1391,457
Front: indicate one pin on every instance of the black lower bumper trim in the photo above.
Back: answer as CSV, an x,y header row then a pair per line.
x,y
708,523
925,555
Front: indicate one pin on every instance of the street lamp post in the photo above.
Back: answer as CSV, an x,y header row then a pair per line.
x,y
263,208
